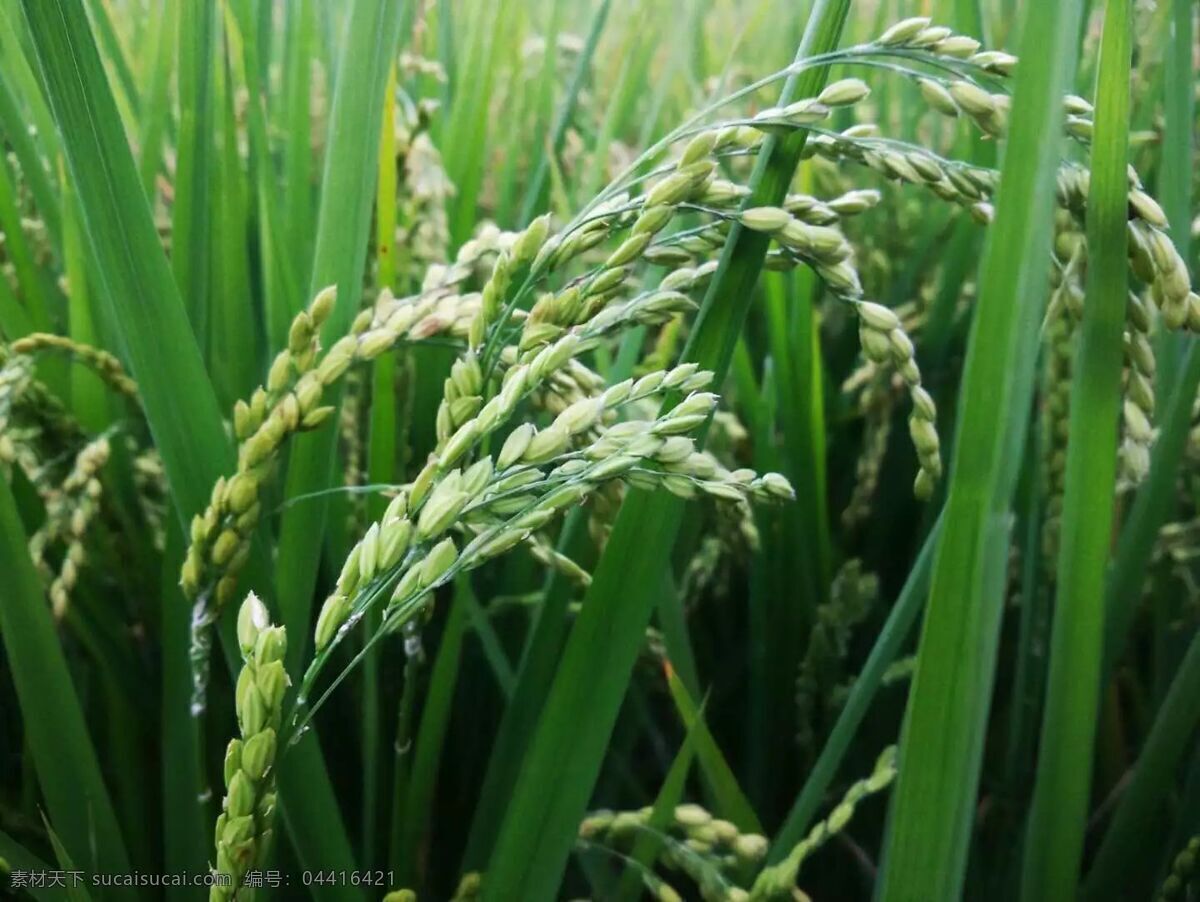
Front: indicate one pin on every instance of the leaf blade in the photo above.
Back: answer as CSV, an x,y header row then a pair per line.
x,y
63,755
1058,816
942,741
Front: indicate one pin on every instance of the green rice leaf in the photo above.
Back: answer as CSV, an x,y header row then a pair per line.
x,y
343,226
63,755
732,803
20,858
1054,841
191,229
136,285
941,747
1126,849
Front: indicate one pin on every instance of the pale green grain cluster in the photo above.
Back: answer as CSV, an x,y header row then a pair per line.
x,y
1137,409
536,475
882,335
1055,416
469,887
1153,257
400,895
246,823
952,181
712,852
690,180
778,881
734,521
852,595
876,405
541,548
955,90
884,341
150,481
422,231
899,671
1184,873
822,246
814,211
917,33
105,365
511,262
37,431
528,429
288,403
71,509
352,445
1066,310
810,111
1178,545
16,377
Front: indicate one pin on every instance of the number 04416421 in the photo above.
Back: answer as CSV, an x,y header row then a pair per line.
x,y
348,878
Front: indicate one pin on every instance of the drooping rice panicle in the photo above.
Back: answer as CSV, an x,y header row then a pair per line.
x,y
1138,409
852,596
535,475
1056,382
711,851
105,365
778,880
289,402
876,404
70,510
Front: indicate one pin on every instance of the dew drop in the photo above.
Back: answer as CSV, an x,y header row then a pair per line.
x,y
298,735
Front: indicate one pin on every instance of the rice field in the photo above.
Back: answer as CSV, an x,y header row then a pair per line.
x,y
599,449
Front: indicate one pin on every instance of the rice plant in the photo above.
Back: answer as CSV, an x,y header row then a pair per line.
x,y
599,449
